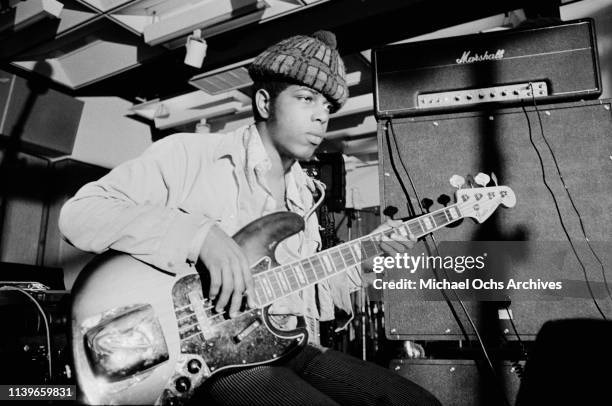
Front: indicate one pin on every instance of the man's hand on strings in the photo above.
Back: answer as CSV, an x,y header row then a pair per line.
x,y
391,244
230,276
394,242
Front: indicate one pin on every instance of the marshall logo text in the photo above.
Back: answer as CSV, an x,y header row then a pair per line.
x,y
468,58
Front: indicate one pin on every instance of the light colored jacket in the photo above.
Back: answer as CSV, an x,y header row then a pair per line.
x,y
160,206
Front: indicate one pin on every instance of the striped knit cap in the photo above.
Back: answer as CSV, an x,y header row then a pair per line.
x,y
309,60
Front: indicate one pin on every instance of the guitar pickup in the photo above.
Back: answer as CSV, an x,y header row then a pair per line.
x,y
244,333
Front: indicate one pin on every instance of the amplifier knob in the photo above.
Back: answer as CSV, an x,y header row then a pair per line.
x,y
481,96
504,94
182,384
516,92
492,94
469,97
457,98
194,366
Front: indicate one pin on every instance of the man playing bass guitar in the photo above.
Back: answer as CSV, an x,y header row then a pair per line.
x,y
179,203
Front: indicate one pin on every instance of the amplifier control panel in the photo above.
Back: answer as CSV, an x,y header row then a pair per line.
x,y
483,95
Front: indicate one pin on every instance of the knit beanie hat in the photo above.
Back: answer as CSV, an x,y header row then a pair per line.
x,y
309,60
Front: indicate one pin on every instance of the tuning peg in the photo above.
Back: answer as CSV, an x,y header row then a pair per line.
x,y
426,204
457,181
444,200
494,178
482,179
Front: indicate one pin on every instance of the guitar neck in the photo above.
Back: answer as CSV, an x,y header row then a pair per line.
x,y
284,280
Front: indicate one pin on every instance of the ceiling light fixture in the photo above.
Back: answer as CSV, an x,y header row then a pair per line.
x,y
195,49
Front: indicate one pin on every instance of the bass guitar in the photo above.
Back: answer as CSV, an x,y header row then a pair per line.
x,y
144,336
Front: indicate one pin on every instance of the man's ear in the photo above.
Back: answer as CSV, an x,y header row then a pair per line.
x,y
262,103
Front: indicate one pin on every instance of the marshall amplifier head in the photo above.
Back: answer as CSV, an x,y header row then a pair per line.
x,y
555,62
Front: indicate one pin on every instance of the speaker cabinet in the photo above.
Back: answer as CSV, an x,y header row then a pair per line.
x,y
33,192
25,183
509,142
43,120
459,382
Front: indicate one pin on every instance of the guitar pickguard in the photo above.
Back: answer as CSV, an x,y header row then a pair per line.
x,y
210,342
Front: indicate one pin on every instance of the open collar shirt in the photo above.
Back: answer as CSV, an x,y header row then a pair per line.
x,y
160,206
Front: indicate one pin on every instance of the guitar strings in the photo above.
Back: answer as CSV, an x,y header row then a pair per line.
x,y
386,233
493,202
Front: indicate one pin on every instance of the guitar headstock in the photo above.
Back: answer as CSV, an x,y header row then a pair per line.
x,y
480,203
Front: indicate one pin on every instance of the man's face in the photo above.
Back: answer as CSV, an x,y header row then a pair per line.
x,y
298,121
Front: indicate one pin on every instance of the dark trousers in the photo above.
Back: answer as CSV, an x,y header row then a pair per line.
x,y
316,377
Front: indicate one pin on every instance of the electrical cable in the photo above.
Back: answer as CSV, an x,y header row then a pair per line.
x,y
42,312
562,223
569,195
516,333
515,364
388,126
337,226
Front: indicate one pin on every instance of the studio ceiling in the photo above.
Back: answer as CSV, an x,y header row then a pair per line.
x,y
134,49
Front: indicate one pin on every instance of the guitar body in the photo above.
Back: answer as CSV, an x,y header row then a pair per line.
x,y
143,336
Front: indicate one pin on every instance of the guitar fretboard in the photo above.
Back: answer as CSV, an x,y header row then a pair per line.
x,y
284,280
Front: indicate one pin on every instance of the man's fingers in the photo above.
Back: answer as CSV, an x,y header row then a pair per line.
x,y
248,284
394,223
244,272
228,269
226,288
236,303
406,242
237,274
396,242
215,282
392,246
